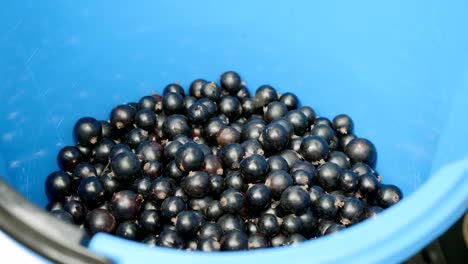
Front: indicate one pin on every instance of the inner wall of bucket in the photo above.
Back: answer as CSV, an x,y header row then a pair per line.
x,y
73,59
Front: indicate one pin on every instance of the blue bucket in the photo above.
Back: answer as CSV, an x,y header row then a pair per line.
x,y
399,68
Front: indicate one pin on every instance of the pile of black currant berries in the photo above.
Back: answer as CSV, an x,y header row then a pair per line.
x,y
217,170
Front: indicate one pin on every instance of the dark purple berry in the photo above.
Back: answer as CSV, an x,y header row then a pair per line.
x,y
68,157
87,131
389,195
100,220
58,185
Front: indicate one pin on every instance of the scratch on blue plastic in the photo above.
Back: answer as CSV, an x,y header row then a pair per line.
x,y
399,68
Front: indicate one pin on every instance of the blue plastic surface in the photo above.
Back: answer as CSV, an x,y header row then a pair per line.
x,y
399,68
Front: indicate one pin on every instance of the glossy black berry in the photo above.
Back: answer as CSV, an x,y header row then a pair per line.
x,y
145,119
142,186
328,175
254,168
210,230
117,149
279,240
302,165
231,201
308,223
345,139
149,221
229,222
211,90
234,240
258,241
102,150
128,230
77,210
232,155
286,124
274,138
268,225
195,87
314,149
110,184
125,205
291,224
172,206
100,220
174,88
176,125
248,107
361,150
106,129
58,185
87,131
85,151
147,103
68,157
212,106
326,206
299,121
189,157
275,110
264,95
214,210
208,244
325,132
189,101
231,81
373,211
277,181
198,113
135,137
361,168
252,130
309,113
368,185
295,239
343,124
323,121
187,223
294,200
196,184
173,172
91,191
217,184
290,100
348,181
389,195
352,211
290,156
212,165
126,166
149,151
230,106
340,159
315,192
277,162
228,135
122,117
295,143
199,205
258,196
234,180
161,188
243,93
170,239
302,178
